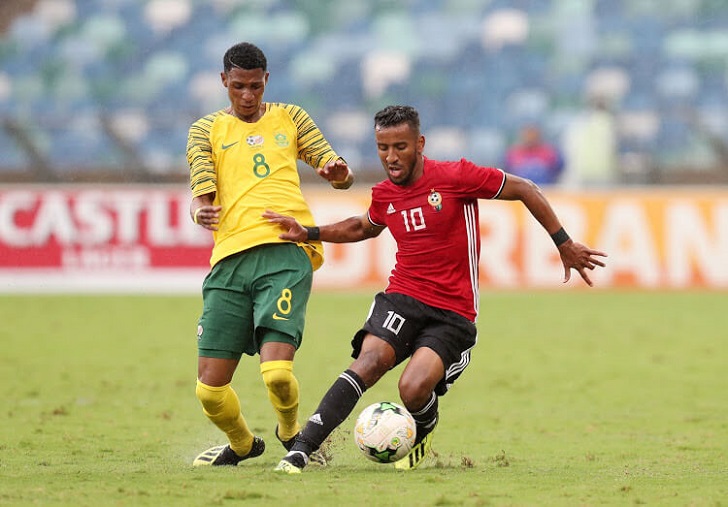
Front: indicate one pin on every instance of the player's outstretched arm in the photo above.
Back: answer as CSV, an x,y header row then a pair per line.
x,y
350,230
573,255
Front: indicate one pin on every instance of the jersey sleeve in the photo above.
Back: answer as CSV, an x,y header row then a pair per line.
x,y
313,148
203,179
481,182
377,212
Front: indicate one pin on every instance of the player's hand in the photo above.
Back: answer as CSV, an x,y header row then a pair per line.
x,y
207,215
579,257
338,173
294,231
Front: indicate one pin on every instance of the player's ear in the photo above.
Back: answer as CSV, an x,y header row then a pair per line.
x,y
421,144
223,77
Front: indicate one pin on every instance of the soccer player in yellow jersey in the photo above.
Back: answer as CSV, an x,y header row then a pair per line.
x,y
242,162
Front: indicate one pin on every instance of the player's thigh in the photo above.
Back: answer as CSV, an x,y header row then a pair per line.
x,y
394,318
280,295
225,328
451,337
422,373
375,358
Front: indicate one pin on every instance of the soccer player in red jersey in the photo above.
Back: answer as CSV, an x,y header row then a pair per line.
x,y
427,312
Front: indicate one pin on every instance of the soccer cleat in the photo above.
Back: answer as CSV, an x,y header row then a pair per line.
x,y
292,463
316,458
223,455
287,467
287,444
417,455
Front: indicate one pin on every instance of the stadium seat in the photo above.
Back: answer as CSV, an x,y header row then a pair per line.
x,y
474,67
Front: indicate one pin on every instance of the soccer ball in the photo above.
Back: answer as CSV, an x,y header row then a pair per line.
x,y
385,432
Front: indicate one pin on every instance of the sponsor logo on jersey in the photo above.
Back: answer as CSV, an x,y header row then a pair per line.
x,y
390,209
281,140
254,140
435,199
226,146
278,317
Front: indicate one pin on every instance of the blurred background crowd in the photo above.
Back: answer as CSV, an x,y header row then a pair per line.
x,y
577,92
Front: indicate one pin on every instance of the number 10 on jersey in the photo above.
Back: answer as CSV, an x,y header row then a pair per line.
x,y
414,219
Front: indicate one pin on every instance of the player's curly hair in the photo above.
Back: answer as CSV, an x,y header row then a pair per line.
x,y
391,116
244,55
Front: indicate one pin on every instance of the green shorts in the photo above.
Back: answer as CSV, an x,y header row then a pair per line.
x,y
249,293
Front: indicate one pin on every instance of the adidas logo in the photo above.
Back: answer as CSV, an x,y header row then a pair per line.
x,y
416,455
391,209
316,419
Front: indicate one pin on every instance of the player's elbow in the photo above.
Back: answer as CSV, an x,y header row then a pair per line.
x,y
529,186
520,189
371,231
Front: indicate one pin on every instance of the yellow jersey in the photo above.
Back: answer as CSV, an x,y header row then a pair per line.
x,y
252,167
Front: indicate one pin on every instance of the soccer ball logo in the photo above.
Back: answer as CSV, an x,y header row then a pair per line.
x,y
435,199
385,432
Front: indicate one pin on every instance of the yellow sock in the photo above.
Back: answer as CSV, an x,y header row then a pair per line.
x,y
283,394
222,406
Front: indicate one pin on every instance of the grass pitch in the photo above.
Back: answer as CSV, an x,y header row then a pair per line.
x,y
572,398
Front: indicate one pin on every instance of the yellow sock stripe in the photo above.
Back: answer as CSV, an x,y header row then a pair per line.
x,y
275,365
212,388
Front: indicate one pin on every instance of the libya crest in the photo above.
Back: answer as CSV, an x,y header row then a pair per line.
x,y
435,199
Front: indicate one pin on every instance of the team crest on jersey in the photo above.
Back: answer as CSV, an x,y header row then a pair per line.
x,y
435,199
281,140
254,140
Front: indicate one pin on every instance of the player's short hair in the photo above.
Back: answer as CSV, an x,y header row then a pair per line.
x,y
391,116
244,55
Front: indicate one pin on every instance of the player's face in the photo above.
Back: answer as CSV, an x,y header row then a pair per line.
x,y
245,89
400,150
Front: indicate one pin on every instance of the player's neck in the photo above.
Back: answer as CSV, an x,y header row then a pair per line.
x,y
419,169
248,119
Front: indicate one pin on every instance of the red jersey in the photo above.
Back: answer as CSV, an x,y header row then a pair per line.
x,y
435,224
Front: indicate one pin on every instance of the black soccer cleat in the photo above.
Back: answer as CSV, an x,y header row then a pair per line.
x,y
223,455
287,444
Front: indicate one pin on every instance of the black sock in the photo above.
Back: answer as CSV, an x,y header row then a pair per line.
x,y
426,418
335,406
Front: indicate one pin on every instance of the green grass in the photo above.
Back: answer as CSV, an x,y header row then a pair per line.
x,y
572,398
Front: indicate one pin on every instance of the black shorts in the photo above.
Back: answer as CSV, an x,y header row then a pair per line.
x,y
408,324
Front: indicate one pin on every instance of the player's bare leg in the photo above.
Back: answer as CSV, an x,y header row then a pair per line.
x,y
416,388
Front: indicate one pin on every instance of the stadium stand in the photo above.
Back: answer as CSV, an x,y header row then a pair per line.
x,y
106,88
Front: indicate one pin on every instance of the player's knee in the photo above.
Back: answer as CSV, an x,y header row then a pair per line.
x,y
373,363
279,379
279,382
211,398
413,391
